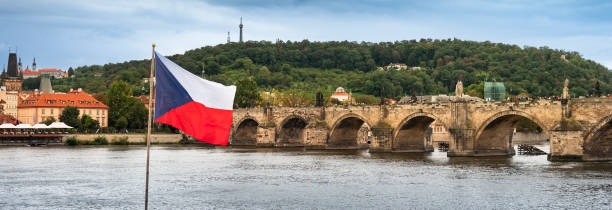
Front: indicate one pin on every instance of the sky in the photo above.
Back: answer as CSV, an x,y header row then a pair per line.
x,y
68,33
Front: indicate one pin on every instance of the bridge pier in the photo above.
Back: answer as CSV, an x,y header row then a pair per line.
x,y
316,137
461,143
566,145
265,136
382,139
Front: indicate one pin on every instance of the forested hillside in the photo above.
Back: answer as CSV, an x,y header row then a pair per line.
x,y
321,66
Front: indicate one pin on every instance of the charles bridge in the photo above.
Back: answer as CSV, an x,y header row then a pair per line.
x,y
578,129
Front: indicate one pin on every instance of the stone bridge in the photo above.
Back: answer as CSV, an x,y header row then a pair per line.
x,y
578,129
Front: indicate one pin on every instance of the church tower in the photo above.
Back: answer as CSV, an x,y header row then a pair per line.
x,y
34,65
19,66
240,29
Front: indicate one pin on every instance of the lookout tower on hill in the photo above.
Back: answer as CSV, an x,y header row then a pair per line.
x,y
240,26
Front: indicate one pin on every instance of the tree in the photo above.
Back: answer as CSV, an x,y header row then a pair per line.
x,y
137,114
122,104
246,93
121,123
70,72
100,97
70,116
31,83
475,90
88,123
530,70
294,97
49,120
212,67
366,99
118,97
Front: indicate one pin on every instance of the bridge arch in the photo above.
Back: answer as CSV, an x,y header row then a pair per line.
x,y
348,132
245,133
597,143
495,134
291,131
413,134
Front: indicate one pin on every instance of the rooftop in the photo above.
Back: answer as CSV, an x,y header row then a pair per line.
x,y
77,98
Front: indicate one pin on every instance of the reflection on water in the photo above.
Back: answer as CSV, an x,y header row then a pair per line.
x,y
188,177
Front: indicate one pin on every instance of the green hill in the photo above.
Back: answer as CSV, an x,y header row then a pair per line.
x,y
311,66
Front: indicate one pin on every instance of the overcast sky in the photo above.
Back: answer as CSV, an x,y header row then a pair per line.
x,y
64,33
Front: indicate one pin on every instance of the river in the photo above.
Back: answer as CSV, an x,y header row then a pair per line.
x,y
191,177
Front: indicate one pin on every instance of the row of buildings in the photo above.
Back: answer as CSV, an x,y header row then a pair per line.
x,y
399,67
34,73
36,106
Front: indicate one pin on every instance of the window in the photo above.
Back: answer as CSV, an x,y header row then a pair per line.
x,y
51,111
98,112
43,111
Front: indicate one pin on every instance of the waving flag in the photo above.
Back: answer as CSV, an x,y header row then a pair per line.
x,y
198,107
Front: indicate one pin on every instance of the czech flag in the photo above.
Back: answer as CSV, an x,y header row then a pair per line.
x,y
198,107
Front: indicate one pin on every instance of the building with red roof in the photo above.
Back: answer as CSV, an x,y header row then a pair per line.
x,y
57,73
38,107
341,95
30,73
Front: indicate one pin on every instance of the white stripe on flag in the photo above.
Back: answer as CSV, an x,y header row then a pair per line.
x,y
209,93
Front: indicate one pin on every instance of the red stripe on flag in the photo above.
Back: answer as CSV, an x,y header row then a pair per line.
x,y
204,124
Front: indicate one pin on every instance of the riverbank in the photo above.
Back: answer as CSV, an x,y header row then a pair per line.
x,y
95,139
122,139
131,138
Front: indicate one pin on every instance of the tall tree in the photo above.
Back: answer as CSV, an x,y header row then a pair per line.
x,y
118,97
88,123
70,116
246,93
137,115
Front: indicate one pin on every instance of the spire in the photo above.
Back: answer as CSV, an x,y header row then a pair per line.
x,y
34,65
19,66
240,29
228,37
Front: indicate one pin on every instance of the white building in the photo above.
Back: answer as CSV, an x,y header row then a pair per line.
x,y
341,95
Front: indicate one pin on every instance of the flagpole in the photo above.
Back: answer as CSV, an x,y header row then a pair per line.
x,y
149,125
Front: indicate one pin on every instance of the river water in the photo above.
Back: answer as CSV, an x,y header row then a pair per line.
x,y
191,177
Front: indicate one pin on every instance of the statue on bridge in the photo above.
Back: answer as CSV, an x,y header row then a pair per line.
x,y
565,90
459,89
